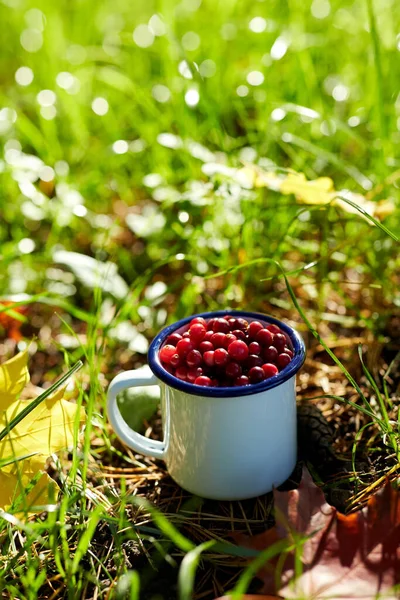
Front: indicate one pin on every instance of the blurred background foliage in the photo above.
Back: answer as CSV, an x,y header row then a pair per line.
x,y
120,123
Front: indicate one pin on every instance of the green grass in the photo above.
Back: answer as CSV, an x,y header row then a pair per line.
x,y
184,238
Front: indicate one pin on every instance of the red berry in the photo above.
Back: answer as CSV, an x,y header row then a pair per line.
x,y
279,341
254,348
208,336
221,325
175,360
173,339
192,374
166,353
239,334
269,370
256,374
194,358
288,351
264,337
198,320
242,324
254,328
273,328
221,357
205,347
203,380
283,360
232,323
210,324
209,358
233,369
217,339
238,350
186,334
253,361
270,355
242,380
229,338
181,373
183,347
197,333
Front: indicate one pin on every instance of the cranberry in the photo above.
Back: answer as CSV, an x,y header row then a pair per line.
x,y
233,369
254,348
242,380
232,323
242,324
192,374
283,360
181,373
264,337
217,339
288,351
238,350
256,374
208,336
173,339
239,334
186,334
194,358
221,325
221,357
254,328
229,338
166,353
197,333
198,320
209,358
273,328
279,341
205,346
203,380
254,361
270,355
183,347
175,360
210,324
269,370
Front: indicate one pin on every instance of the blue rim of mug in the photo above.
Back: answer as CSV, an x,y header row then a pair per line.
x,y
289,371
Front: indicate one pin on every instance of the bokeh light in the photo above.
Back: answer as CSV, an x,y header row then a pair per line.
x,y
100,106
24,76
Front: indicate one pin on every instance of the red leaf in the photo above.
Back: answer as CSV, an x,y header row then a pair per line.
x,y
10,325
346,556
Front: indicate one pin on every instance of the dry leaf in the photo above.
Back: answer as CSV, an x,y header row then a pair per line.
x,y
14,376
319,192
46,429
346,557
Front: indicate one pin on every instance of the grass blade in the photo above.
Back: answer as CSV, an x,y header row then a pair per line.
x,y
187,571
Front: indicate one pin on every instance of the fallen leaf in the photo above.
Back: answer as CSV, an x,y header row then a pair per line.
x,y
320,191
344,556
13,489
14,376
48,428
315,191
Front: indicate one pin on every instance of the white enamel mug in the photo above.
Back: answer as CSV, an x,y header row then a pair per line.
x,y
222,443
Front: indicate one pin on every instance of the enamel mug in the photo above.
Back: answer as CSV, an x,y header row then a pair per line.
x,y
222,443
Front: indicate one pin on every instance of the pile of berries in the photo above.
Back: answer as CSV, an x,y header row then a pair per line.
x,y
225,352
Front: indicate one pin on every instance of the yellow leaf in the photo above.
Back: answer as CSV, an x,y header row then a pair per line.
x,y
315,191
13,488
14,376
46,429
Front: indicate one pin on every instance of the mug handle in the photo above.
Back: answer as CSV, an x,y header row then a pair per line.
x,y
131,438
